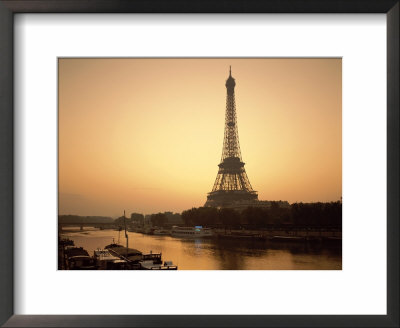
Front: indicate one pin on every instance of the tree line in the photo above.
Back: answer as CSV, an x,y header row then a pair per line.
x,y
298,214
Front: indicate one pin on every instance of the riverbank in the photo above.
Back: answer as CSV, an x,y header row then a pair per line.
x,y
282,233
274,233
224,253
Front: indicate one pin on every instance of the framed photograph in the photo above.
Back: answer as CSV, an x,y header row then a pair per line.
x,y
250,151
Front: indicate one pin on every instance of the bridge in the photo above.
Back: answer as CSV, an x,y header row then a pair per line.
x,y
99,225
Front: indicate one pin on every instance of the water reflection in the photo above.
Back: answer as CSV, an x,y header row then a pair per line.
x,y
222,254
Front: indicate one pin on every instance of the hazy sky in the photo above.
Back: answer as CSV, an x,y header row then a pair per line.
x,y
146,135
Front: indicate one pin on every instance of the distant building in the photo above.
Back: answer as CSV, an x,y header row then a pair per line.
x,y
137,219
147,220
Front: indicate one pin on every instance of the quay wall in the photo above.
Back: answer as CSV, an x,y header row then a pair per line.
x,y
284,233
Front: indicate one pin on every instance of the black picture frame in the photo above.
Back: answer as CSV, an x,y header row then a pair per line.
x,y
10,7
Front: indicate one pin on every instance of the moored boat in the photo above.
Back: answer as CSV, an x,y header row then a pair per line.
x,y
65,242
128,254
78,258
191,232
113,245
150,265
161,232
136,259
104,260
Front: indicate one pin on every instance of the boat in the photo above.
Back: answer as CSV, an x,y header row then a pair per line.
x,y
136,229
151,265
135,259
129,254
161,232
191,232
78,258
104,260
113,245
153,261
65,242
148,230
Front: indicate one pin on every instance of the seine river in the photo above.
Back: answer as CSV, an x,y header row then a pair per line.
x,y
216,254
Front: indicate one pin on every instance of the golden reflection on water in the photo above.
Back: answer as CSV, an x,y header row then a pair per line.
x,y
216,254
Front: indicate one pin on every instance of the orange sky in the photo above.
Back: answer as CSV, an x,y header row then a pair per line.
x,y
146,135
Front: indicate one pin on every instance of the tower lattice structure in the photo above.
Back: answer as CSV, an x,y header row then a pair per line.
x,y
232,184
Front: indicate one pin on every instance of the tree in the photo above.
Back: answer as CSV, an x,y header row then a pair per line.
x,y
121,221
188,216
317,214
204,216
158,219
229,217
137,218
255,217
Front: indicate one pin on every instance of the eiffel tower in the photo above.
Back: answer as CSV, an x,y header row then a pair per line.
x,y
232,184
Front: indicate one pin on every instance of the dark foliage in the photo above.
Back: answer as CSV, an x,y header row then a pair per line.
x,y
317,214
122,221
205,216
298,214
158,220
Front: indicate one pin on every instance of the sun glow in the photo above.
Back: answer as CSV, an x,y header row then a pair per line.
x,y
146,135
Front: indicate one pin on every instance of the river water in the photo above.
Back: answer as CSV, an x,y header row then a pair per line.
x,y
216,254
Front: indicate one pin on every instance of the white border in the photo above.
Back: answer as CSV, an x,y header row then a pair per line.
x,y
360,288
